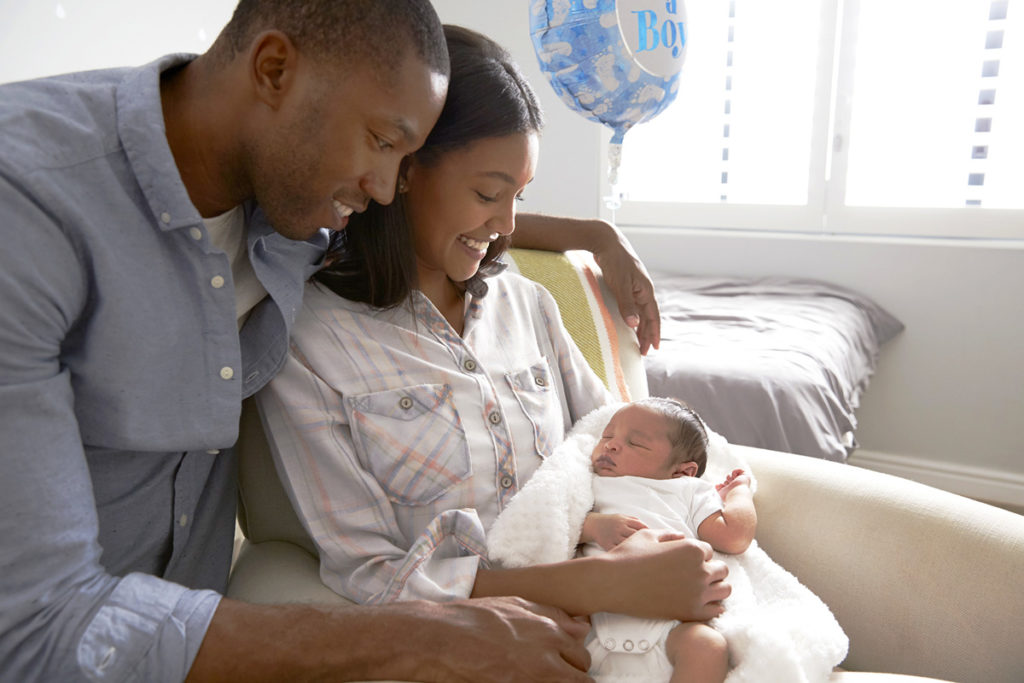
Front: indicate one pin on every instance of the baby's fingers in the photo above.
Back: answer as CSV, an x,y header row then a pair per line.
x,y
635,524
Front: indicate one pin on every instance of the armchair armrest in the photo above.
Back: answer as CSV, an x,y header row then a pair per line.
x,y
923,581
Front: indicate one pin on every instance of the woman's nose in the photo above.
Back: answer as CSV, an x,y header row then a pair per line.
x,y
504,221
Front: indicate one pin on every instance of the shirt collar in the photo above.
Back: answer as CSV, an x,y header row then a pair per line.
x,y
477,285
140,127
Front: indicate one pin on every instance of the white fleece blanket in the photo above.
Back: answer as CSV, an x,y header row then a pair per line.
x,y
777,629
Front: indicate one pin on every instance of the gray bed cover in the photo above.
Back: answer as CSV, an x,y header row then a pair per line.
x,y
778,363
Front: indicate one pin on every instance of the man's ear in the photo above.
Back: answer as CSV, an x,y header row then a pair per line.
x,y
273,60
685,469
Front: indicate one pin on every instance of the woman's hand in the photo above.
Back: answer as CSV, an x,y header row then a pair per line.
x,y
629,281
625,275
666,575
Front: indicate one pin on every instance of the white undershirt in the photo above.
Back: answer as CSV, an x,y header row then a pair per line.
x,y
227,233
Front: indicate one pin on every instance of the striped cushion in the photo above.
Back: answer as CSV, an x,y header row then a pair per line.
x,y
608,345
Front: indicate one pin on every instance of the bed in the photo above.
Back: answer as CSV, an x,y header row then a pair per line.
x,y
777,363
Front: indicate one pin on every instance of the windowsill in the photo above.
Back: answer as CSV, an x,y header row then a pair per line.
x,y
825,237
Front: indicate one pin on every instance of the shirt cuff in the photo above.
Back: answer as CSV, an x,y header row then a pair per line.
x,y
148,629
442,564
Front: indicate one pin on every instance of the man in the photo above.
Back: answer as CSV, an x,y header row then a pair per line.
x,y
146,216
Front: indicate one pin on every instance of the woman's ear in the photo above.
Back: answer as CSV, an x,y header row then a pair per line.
x,y
685,469
405,173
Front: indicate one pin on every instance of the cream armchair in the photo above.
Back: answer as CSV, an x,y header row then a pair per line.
x,y
924,582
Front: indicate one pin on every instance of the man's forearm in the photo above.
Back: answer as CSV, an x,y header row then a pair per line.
x,y
247,642
465,640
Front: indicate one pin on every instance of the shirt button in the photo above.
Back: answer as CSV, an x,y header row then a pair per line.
x,y
183,520
540,381
506,482
627,645
494,418
644,646
165,217
195,233
609,644
405,403
226,373
213,451
217,281
469,365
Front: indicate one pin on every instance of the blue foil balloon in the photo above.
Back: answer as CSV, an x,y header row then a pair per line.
x,y
614,61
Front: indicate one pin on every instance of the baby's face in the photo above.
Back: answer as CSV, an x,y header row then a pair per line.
x,y
635,443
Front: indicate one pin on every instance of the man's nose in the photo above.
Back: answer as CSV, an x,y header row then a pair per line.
x,y
379,183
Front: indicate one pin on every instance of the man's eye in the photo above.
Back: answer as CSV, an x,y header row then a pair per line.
x,y
382,144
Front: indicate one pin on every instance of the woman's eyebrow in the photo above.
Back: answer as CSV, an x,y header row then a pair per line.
x,y
500,175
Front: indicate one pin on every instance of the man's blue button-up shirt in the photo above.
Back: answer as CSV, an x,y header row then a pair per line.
x,y
122,372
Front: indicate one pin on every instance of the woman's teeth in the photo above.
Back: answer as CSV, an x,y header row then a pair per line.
x,y
474,244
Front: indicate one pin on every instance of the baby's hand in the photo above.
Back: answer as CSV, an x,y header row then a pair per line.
x,y
608,530
736,478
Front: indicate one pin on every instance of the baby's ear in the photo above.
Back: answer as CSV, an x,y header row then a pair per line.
x,y
685,469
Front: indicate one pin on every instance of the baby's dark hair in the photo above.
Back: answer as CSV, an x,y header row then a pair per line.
x,y
687,435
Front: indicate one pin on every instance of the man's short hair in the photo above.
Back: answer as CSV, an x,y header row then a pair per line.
x,y
345,32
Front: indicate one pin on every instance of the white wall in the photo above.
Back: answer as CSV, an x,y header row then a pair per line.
x,y
944,405
45,37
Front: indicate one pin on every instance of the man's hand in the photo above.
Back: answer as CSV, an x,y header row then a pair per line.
x,y
629,281
664,575
505,639
609,530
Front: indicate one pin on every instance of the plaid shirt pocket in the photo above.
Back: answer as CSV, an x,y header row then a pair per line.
x,y
412,440
535,391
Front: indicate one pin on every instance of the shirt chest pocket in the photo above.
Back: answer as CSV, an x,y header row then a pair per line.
x,y
535,391
411,440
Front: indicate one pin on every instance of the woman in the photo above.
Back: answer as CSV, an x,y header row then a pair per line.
x,y
416,402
